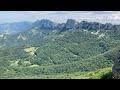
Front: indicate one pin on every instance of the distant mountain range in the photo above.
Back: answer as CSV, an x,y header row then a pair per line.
x,y
16,27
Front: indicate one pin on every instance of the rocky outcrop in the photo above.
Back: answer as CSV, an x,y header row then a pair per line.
x,y
60,26
95,26
71,24
108,26
116,66
45,24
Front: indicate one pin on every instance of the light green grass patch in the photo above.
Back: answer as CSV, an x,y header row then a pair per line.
x,y
34,66
93,75
14,63
30,50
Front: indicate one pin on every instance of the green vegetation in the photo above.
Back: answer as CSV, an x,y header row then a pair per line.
x,y
105,73
30,50
99,74
73,54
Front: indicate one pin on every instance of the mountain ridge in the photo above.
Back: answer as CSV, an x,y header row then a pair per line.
x,y
73,24
17,27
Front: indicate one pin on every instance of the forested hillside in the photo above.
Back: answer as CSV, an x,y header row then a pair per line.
x,y
46,51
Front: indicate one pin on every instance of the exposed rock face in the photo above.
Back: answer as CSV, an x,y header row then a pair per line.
x,y
45,24
71,24
108,26
84,25
95,25
116,66
61,26
48,24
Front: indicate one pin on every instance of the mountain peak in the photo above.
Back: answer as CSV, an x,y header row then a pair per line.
x,y
45,24
71,23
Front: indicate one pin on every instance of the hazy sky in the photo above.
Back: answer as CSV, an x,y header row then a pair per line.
x,y
60,16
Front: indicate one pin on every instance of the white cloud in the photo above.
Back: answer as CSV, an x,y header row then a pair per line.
x,y
60,16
